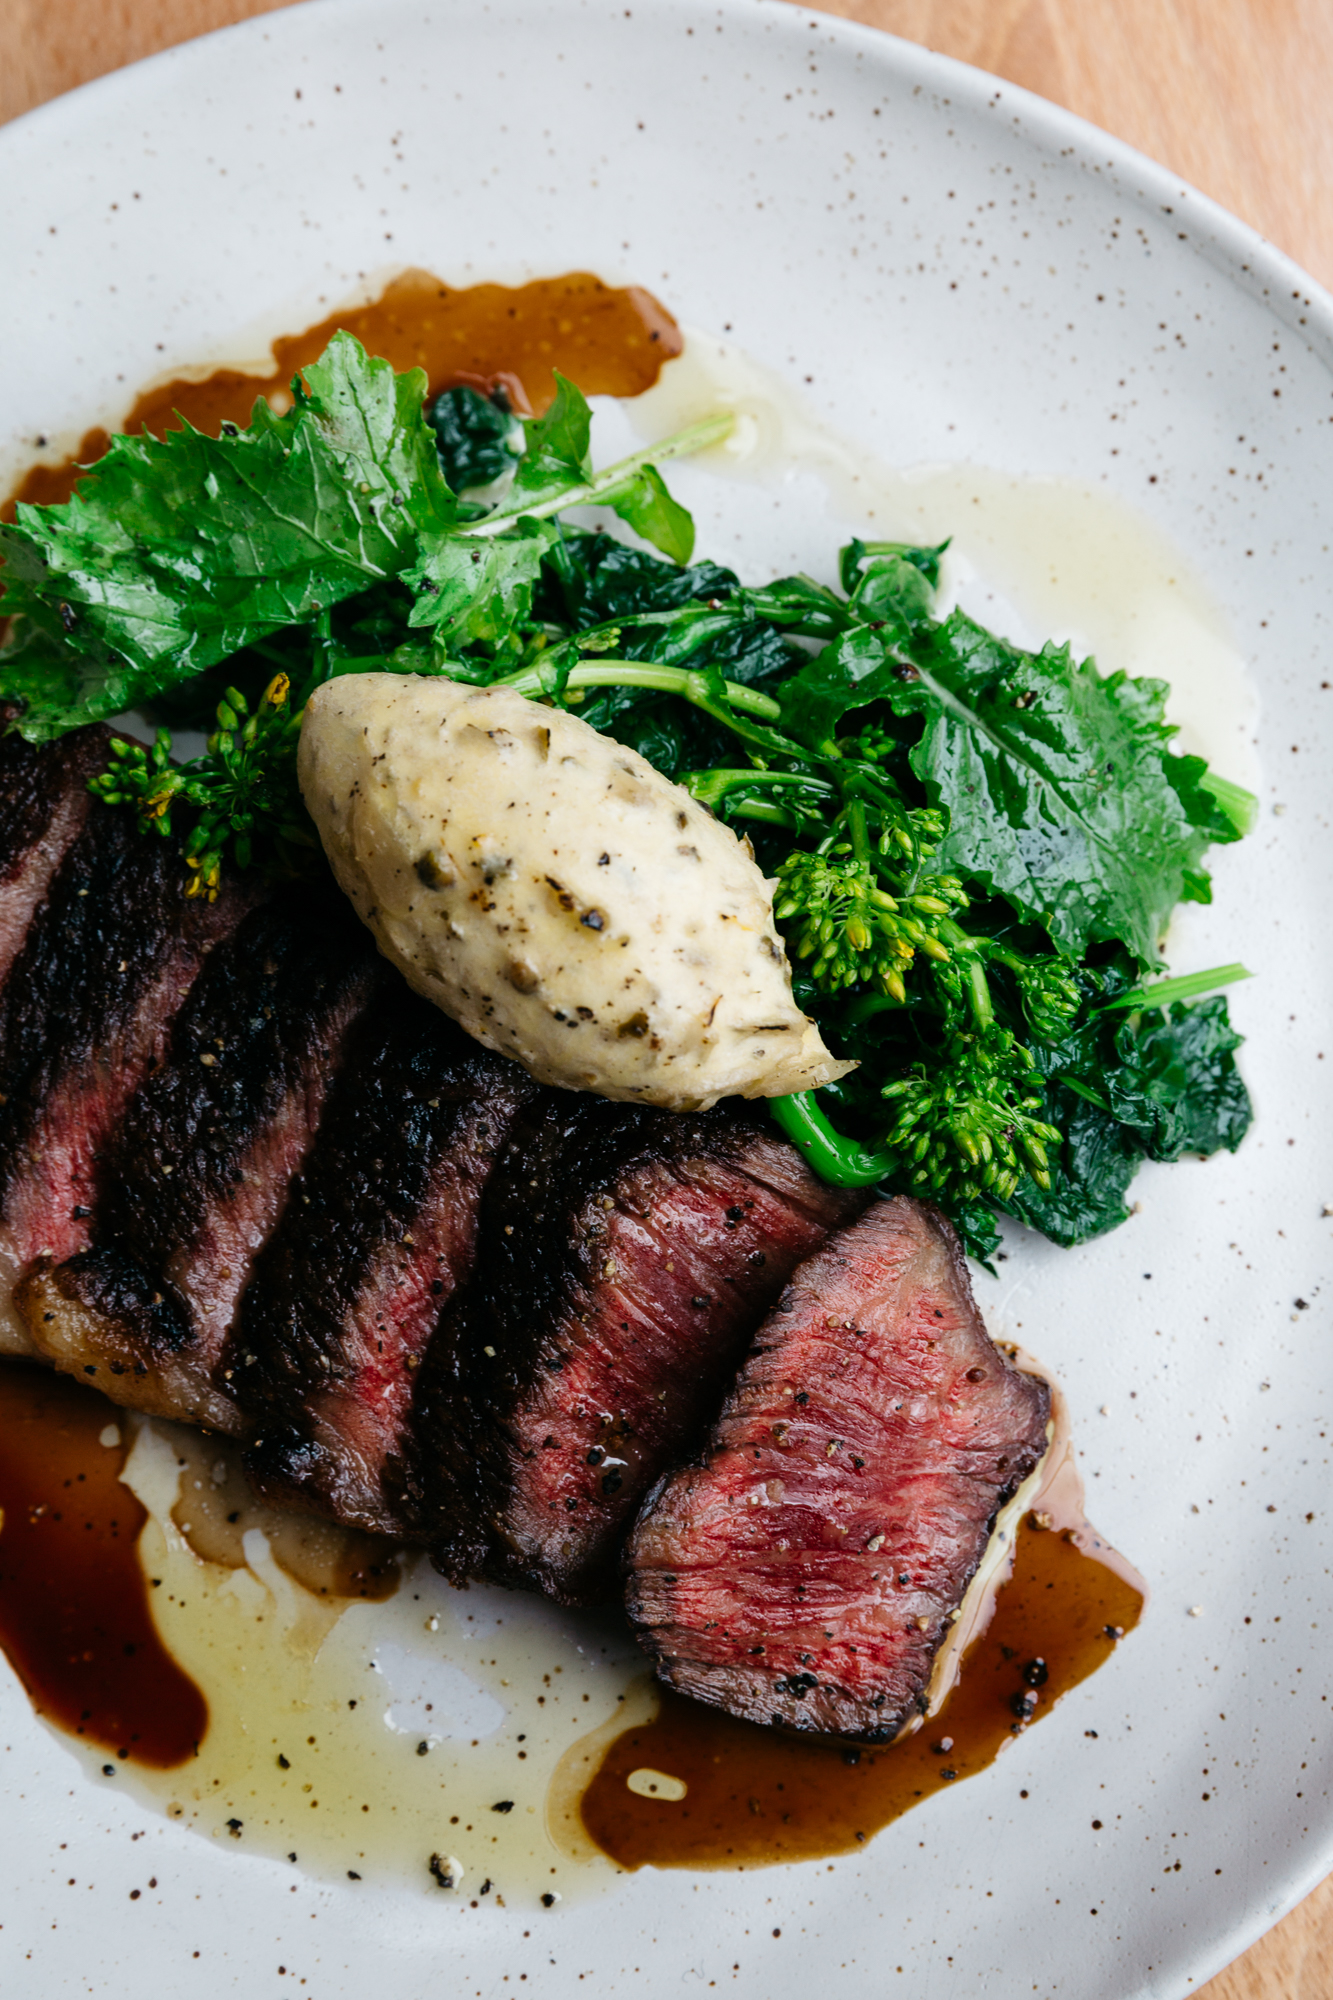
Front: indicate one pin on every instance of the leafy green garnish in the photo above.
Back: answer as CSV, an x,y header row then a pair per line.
x,y
1094,1165
243,787
1125,1087
473,592
177,553
1175,1084
1062,790
475,437
975,848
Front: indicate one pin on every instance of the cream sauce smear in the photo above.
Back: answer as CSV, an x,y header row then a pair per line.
x,y
1035,558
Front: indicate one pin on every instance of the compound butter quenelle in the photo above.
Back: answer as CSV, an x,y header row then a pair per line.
x,y
547,887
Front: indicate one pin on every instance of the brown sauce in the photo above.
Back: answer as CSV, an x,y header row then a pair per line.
x,y
611,342
75,1622
753,1796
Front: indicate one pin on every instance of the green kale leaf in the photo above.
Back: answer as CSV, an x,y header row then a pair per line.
x,y
592,579
1175,1083
889,607
1061,789
176,554
557,463
1154,1085
852,559
1090,1173
645,505
476,592
557,454
893,593
848,674
474,437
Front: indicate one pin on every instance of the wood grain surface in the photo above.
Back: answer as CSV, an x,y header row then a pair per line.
x,y
1233,95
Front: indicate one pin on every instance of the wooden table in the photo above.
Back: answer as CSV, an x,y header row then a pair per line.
x,y
1231,94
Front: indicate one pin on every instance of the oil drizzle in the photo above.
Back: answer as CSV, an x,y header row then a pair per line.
x,y
610,341
217,1508
753,1797
74,1616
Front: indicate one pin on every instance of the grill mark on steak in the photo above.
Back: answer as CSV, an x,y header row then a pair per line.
x,y
44,801
198,1174
806,1569
84,1016
380,1231
627,1255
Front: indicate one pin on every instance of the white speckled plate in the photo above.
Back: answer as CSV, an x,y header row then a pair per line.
x,y
964,272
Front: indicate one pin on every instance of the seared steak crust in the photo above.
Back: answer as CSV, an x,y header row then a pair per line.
x,y
199,1171
626,1257
84,1017
44,801
380,1231
805,1569
248,1179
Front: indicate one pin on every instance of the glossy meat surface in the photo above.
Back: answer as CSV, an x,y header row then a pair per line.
x,y
380,1232
85,1017
44,801
198,1170
805,1571
627,1256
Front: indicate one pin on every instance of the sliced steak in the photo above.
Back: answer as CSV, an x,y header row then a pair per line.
x,y
44,801
806,1570
198,1173
84,1016
380,1232
627,1256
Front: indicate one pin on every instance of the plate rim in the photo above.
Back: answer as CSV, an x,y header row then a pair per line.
x,y
1236,249
1247,254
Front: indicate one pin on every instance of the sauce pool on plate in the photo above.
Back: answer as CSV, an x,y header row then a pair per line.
x,y
611,341
697,1789
75,1619
682,1787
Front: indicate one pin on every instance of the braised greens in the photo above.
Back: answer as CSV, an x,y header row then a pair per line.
x,y
976,848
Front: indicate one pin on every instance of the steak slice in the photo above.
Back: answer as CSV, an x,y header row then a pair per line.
x,y
84,1016
44,801
627,1256
806,1570
380,1232
198,1173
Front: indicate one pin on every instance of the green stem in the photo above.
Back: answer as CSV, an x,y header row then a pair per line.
x,y
983,1011
1241,807
841,1161
769,815
697,437
683,681
711,786
1165,992
952,934
866,1005
1083,1090
856,826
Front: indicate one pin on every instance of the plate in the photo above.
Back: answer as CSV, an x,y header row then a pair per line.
x,y
949,270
